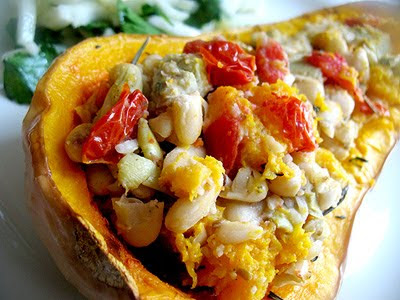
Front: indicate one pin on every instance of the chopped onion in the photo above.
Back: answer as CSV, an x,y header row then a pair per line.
x,y
128,146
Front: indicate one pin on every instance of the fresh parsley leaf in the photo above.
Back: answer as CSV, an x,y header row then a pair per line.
x,y
130,22
207,11
151,10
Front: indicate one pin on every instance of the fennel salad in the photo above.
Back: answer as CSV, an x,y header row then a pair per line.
x,y
44,29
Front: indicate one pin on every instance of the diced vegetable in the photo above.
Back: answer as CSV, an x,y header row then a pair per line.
x,y
118,124
222,139
75,139
226,62
272,61
148,143
120,75
99,178
336,69
134,170
305,69
139,223
248,186
292,118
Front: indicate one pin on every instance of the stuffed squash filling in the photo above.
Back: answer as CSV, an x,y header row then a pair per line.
x,y
227,156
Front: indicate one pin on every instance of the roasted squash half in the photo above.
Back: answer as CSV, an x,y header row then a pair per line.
x,y
77,235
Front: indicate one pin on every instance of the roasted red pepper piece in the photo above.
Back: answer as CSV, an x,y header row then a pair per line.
x,y
111,129
226,62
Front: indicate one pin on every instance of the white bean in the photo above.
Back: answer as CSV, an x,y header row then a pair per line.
x,y
139,223
237,232
343,98
162,125
184,213
248,186
330,118
310,87
187,116
244,212
328,193
287,187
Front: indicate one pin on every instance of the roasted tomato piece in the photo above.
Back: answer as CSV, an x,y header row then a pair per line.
x,y
222,139
272,61
292,118
376,107
116,125
337,71
226,62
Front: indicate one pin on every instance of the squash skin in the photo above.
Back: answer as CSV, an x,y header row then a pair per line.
x,y
60,202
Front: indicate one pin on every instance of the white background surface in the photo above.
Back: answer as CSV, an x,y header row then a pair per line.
x,y
27,271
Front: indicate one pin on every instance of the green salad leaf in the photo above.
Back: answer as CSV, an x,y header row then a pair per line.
x,y
153,10
207,11
22,70
96,28
130,22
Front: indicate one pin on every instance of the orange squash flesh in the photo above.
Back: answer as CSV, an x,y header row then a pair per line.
x,y
61,203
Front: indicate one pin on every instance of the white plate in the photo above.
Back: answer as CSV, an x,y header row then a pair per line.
x,y
27,271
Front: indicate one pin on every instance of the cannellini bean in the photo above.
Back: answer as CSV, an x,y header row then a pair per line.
x,y
148,143
187,117
332,41
310,87
244,212
143,192
318,228
274,202
299,269
237,232
315,250
336,148
343,98
184,213
359,60
99,178
287,187
328,193
314,172
289,79
139,223
74,141
295,274
330,118
162,125
248,186
197,186
346,133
